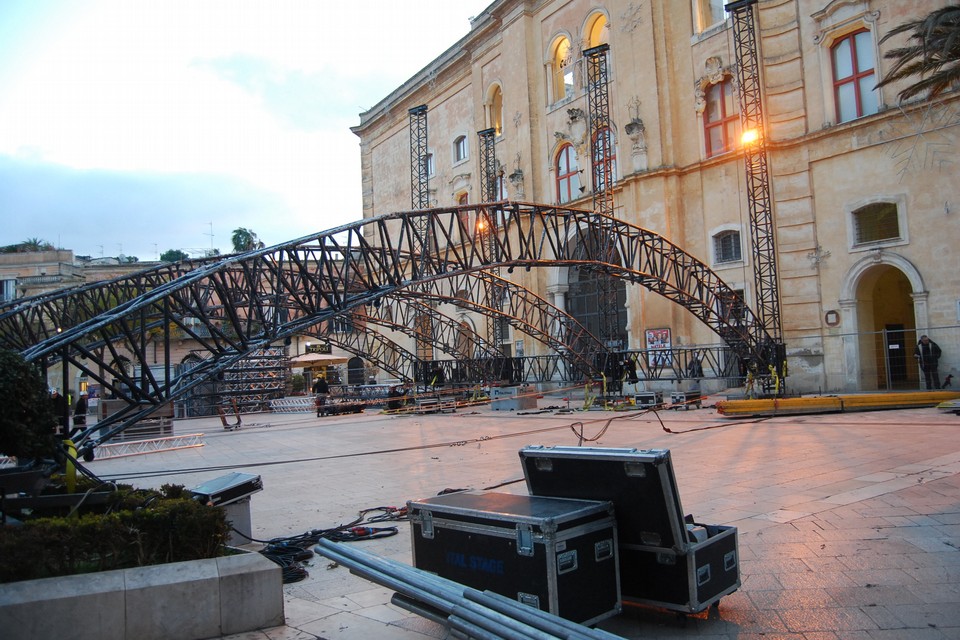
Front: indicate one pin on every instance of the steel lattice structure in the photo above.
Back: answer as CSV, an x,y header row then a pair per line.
x,y
488,193
757,174
246,302
419,169
598,107
601,163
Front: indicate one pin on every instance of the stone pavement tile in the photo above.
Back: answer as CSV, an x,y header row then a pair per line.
x,y
949,574
838,619
383,613
926,615
845,548
873,595
770,547
273,633
759,582
935,544
909,634
792,598
867,577
818,564
941,594
879,561
773,565
947,555
853,533
350,625
815,580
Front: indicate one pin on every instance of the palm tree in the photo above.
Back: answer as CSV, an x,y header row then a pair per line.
x,y
245,240
34,244
933,55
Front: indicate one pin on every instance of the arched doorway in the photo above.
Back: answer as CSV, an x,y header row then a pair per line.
x,y
355,371
883,305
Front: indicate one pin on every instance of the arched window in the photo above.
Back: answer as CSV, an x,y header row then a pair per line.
x,y
496,110
853,76
562,60
598,32
568,174
721,120
605,150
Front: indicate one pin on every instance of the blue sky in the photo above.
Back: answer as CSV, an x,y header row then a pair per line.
x,y
137,126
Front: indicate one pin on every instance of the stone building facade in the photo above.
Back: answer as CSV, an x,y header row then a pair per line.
x,y
861,186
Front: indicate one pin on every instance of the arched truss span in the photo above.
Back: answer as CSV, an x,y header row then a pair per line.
x,y
244,302
523,309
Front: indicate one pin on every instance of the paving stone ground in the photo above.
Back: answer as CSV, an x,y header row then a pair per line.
x,y
848,524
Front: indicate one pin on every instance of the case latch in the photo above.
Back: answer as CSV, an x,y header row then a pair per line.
x,y
524,539
426,525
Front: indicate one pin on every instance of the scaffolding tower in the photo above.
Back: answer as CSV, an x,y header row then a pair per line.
x,y
759,204
490,227
601,163
419,169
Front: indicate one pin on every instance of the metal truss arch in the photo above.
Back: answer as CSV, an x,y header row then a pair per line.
x,y
247,301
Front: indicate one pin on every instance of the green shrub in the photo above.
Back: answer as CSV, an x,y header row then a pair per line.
x,y
27,420
157,531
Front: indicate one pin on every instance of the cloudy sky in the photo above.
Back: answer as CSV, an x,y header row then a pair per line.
x,y
138,126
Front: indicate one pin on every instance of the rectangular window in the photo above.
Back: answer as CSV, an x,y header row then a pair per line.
x,y
8,290
431,169
343,324
726,247
876,222
853,76
707,13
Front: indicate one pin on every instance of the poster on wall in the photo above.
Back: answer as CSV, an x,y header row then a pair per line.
x,y
658,347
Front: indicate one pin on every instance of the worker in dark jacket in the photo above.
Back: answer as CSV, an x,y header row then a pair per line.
x,y
80,414
927,354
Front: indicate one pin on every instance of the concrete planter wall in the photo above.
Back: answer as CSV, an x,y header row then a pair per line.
x,y
184,600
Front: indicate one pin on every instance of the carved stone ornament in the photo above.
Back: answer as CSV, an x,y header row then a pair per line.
x,y
714,70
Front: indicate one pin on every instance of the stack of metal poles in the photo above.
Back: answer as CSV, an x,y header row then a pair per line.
x,y
466,612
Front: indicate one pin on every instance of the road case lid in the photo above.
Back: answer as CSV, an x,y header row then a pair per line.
x,y
508,508
639,482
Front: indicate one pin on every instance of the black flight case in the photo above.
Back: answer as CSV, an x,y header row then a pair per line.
x,y
666,560
557,555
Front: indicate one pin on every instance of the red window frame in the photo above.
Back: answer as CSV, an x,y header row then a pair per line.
x,y
568,174
725,123
856,76
611,153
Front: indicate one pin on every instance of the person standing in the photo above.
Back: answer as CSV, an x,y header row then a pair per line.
x,y
322,389
61,409
927,354
80,414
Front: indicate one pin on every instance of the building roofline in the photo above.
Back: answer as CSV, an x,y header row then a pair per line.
x,y
445,60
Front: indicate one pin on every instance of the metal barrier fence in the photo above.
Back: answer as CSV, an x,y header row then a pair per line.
x,y
830,362
883,360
